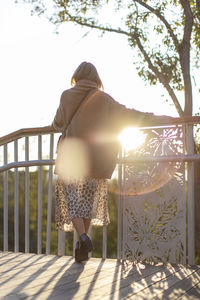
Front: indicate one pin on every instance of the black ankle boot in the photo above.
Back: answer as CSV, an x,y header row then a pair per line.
x,y
85,243
80,255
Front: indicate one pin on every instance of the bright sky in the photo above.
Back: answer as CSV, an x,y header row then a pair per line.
x,y
36,65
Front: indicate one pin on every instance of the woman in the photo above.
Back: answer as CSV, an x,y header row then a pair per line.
x,y
92,120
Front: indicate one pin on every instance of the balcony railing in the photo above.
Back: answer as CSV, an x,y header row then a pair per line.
x,y
25,149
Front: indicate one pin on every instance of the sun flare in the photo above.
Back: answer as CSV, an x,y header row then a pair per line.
x,y
131,138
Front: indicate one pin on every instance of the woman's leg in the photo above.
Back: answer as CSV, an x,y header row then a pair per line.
x,y
85,242
79,225
87,224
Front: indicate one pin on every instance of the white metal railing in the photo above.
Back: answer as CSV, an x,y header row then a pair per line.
x,y
27,163
39,162
14,138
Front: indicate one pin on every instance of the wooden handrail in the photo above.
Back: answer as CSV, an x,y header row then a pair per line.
x,y
26,132
30,163
49,129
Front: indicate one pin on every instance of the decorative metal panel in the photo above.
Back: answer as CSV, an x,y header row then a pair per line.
x,y
154,225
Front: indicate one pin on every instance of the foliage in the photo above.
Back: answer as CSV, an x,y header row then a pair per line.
x,y
197,148
197,135
97,232
164,34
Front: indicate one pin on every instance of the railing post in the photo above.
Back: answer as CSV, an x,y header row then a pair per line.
x,y
5,219
39,218
90,231
119,225
104,252
75,240
16,200
49,208
27,196
61,242
190,196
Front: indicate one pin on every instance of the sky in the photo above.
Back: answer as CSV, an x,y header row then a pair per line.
x,y
36,66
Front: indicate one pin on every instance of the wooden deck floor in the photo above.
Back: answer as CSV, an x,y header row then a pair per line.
x,y
31,276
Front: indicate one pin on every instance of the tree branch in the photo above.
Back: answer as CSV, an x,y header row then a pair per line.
x,y
83,22
162,18
188,20
185,55
160,76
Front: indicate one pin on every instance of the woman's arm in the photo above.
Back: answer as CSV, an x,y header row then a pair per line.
x,y
124,117
59,119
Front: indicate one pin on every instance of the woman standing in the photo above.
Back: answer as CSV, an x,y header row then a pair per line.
x,y
91,121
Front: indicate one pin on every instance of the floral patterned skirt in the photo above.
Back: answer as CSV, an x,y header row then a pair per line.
x,y
85,198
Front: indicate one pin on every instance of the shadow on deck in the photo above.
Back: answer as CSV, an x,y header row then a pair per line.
x,y
32,276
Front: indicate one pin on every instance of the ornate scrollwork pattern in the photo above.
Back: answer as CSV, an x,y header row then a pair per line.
x,y
154,200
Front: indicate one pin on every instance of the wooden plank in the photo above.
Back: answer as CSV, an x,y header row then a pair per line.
x,y
97,284
30,262
9,256
23,263
17,263
36,283
51,277
133,283
192,294
158,288
24,269
68,285
127,290
27,270
41,276
48,270
13,258
182,286
22,256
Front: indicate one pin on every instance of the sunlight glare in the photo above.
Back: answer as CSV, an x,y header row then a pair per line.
x,y
131,138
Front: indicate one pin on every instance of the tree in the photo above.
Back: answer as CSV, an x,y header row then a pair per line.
x,y
174,27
